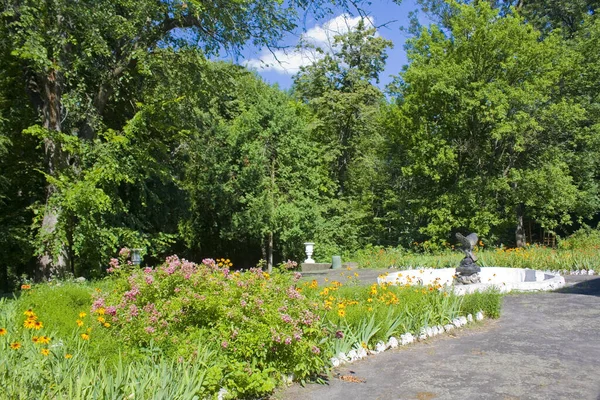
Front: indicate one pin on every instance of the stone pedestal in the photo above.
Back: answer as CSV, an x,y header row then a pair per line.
x,y
467,279
467,272
310,267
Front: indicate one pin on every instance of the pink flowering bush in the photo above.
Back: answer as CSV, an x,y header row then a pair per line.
x,y
261,324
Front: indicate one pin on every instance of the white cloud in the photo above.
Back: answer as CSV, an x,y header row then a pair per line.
x,y
322,36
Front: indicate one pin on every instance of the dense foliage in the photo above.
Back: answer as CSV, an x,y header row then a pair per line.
x,y
118,129
185,330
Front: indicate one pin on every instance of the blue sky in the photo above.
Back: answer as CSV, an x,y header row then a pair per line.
x,y
388,16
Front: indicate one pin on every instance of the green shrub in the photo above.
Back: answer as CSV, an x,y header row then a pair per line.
x,y
583,239
263,325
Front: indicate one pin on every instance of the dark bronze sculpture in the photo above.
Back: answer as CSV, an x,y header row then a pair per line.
x,y
468,271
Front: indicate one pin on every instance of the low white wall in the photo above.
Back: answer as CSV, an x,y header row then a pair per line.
x,y
504,279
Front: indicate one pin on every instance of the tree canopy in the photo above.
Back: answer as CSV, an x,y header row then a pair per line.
x,y
119,126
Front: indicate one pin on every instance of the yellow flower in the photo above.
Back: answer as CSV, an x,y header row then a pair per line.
x,y
45,352
89,330
29,313
85,336
29,324
38,325
79,323
15,346
82,314
68,355
2,331
106,325
101,320
100,311
369,300
341,312
35,339
44,339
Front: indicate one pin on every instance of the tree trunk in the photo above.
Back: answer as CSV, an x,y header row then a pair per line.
x,y
54,157
270,253
520,231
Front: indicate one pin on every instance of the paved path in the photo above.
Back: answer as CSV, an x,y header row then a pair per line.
x,y
544,346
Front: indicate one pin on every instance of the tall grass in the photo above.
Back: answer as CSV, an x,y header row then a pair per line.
x,y
368,314
566,258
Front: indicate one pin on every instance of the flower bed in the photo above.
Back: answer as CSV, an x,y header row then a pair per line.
x,y
186,330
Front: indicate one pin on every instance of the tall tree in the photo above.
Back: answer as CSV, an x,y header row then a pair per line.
x,y
482,139
78,58
545,15
251,181
340,90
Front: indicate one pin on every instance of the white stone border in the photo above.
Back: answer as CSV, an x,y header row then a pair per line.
x,y
359,352
504,279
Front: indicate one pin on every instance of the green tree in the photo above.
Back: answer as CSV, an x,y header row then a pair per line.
x,y
340,92
251,181
482,140
545,15
82,60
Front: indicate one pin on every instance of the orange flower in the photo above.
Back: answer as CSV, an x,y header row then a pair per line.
x,y
25,287
85,336
2,331
45,352
15,346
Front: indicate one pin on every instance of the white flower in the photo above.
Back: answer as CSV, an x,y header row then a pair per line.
x,y
393,342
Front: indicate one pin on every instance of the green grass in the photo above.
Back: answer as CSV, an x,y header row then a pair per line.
x,y
533,257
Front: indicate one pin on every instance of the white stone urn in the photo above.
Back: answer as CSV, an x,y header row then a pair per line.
x,y
309,247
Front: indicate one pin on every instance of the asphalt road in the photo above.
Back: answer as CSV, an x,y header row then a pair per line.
x,y
544,346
